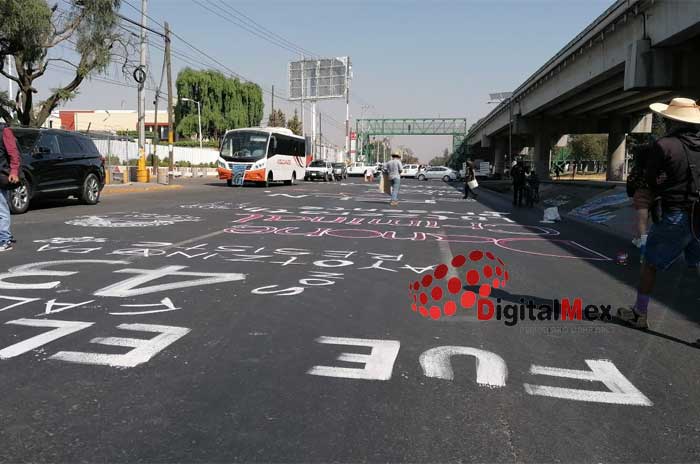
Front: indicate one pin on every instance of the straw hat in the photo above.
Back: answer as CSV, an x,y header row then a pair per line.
x,y
680,109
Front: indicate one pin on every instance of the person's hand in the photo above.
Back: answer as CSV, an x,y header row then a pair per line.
x,y
661,178
13,179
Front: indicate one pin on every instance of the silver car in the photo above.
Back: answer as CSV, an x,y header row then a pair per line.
x,y
437,172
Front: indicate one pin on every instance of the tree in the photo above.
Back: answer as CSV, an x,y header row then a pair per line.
x,y
589,147
226,103
295,124
441,160
277,119
407,155
29,32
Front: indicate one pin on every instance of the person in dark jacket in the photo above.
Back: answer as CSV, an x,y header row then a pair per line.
x,y
9,175
533,188
469,176
517,173
672,180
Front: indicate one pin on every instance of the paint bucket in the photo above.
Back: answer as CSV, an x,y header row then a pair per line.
x,y
622,258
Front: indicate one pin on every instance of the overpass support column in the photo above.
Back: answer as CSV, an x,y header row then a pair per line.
x,y
543,148
499,148
616,150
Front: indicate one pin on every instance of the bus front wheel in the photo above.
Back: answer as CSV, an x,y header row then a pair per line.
x,y
268,182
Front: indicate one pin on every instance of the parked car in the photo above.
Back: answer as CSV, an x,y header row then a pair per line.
x,y
340,171
57,164
319,169
409,170
438,172
359,169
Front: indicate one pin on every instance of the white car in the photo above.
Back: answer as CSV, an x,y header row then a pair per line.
x,y
359,169
409,170
438,172
319,169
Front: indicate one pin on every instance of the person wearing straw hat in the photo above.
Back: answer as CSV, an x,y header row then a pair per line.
x,y
672,174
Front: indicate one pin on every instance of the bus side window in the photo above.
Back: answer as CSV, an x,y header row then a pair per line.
x,y
272,146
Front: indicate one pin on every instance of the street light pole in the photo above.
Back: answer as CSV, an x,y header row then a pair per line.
x,y
199,117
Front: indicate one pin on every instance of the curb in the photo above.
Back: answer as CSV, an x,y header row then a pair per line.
x,y
155,188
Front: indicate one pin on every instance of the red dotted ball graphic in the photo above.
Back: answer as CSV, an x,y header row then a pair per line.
x,y
461,283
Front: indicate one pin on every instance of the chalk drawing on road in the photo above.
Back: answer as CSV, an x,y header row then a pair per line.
x,y
61,329
621,390
143,350
71,240
131,220
491,369
602,209
20,301
378,365
166,303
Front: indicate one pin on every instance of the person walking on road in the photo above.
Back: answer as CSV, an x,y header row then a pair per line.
x,y
469,176
517,173
673,174
393,170
9,178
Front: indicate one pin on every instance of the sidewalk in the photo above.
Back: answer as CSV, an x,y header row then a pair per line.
x,y
602,205
138,187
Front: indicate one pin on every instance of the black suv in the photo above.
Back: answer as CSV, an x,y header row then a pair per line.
x,y
57,164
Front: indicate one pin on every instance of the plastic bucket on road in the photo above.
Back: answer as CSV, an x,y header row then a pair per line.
x,y
162,177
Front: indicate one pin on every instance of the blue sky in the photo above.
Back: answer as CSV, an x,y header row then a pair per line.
x,y
411,58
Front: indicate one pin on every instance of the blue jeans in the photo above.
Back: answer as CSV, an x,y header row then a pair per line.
x,y
669,239
395,185
5,234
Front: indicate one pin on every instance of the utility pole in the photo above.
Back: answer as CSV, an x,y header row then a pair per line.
x,y
320,133
171,116
154,160
141,173
303,126
347,110
272,104
313,128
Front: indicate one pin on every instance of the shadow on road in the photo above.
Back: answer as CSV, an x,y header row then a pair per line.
x,y
678,289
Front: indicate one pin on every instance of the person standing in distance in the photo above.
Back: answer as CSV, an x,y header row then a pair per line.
x,y
672,173
469,176
393,169
9,177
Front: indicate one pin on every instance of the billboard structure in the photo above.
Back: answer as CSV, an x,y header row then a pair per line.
x,y
321,79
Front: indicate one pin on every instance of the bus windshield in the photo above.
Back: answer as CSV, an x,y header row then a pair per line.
x,y
244,146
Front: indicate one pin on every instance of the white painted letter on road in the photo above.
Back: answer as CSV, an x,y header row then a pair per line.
x,y
378,365
143,350
128,287
62,328
621,390
491,369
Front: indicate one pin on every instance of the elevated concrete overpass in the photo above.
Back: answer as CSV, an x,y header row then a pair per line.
x,y
635,53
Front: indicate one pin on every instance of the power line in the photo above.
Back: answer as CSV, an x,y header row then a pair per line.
x,y
223,14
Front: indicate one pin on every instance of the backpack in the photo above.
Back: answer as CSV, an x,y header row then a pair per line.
x,y
693,187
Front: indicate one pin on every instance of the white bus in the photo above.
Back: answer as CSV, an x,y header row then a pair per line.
x,y
262,155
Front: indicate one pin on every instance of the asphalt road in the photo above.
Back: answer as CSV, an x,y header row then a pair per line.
x,y
216,324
